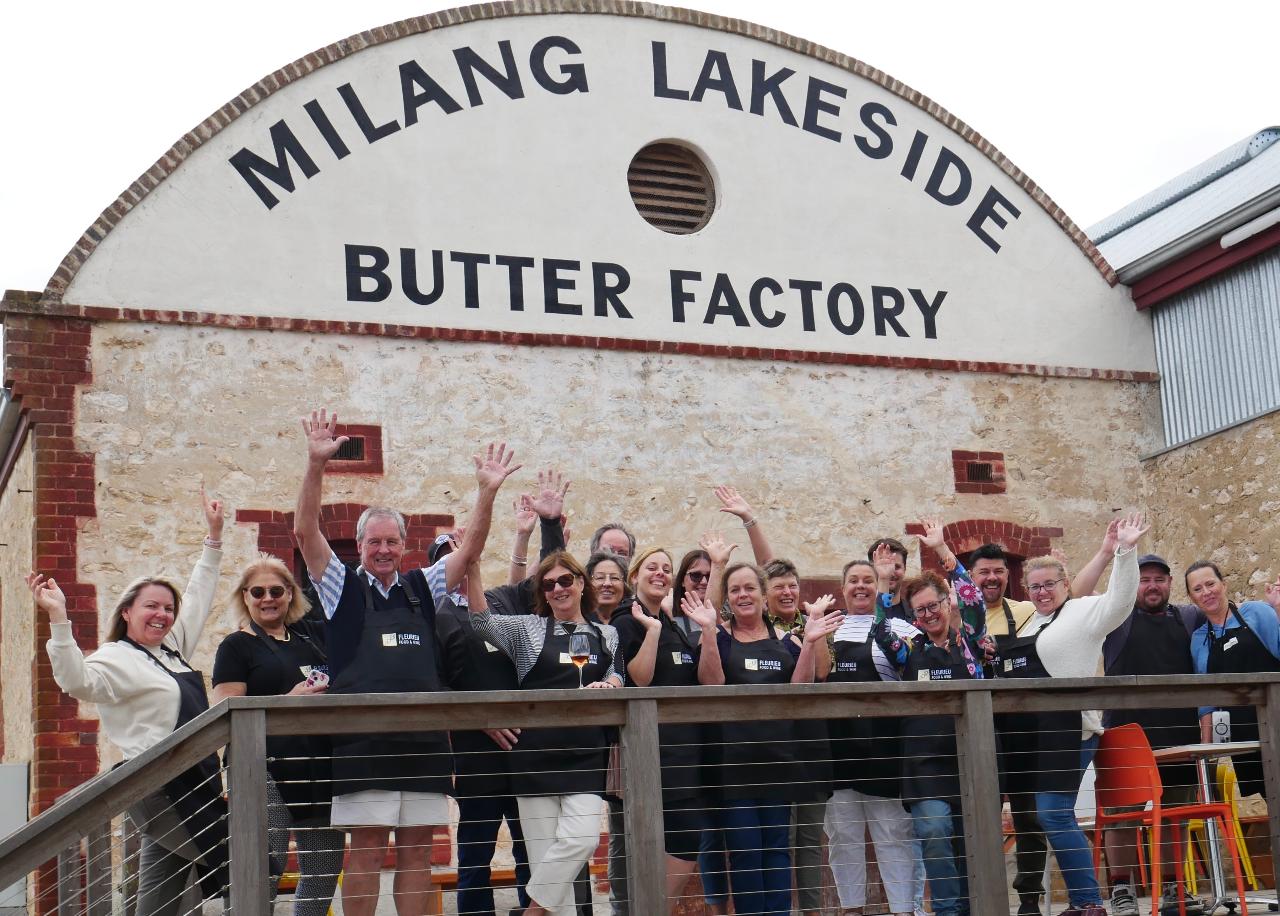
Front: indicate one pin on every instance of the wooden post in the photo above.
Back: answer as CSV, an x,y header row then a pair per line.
x,y
250,884
1269,738
980,799
642,808
99,870
69,881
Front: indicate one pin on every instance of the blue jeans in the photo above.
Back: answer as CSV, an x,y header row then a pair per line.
x,y
1056,812
478,823
712,864
757,836
941,836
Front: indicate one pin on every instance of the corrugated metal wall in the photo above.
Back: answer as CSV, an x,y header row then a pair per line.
x,y
1218,347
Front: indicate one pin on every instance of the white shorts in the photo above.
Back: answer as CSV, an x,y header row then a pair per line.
x,y
388,808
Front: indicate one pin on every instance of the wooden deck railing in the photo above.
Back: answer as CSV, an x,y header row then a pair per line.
x,y
243,723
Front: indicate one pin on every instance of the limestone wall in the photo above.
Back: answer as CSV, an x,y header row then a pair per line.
x,y
1219,499
831,456
17,626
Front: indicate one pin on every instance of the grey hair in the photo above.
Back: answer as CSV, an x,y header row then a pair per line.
x,y
379,512
613,526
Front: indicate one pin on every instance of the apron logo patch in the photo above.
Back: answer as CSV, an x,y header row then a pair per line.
x,y
751,664
923,676
938,674
681,658
846,666
763,664
391,640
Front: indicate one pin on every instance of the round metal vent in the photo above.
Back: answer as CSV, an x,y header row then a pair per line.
x,y
672,188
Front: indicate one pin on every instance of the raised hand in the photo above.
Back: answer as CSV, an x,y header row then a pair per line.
x,y
213,514
818,628
932,537
884,560
651,624
820,607
700,611
1110,538
733,503
1273,594
48,596
321,435
717,549
526,516
494,467
1130,529
548,499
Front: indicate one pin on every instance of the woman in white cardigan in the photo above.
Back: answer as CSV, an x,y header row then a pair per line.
x,y
144,689
1042,751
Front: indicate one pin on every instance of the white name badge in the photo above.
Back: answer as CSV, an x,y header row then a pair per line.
x,y
389,639
305,669
751,664
1229,643
923,676
1008,664
490,647
677,658
565,659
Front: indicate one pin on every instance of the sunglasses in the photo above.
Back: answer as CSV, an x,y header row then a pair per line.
x,y
550,585
258,592
697,578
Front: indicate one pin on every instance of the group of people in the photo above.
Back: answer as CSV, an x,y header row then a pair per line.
x,y
748,804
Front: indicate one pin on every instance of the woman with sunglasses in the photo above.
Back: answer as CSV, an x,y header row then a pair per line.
x,y
659,653
1042,752
558,774
277,651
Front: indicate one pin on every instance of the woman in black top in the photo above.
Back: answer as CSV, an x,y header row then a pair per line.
x,y
658,653
277,650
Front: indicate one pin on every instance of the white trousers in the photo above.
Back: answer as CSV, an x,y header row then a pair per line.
x,y
849,815
560,833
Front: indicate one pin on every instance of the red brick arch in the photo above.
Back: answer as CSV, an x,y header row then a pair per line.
x,y
1019,541
338,522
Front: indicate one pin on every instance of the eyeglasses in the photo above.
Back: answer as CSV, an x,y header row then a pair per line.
x,y
275,591
602,578
1044,586
550,585
697,578
931,608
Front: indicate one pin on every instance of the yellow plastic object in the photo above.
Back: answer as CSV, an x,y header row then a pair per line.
x,y
1229,792
1197,838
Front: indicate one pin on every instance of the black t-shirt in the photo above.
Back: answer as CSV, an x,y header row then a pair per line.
x,y
247,658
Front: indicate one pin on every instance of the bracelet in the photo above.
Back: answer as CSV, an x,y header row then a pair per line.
x,y
750,524
519,561
215,543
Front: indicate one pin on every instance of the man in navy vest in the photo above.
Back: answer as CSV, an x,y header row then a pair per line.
x,y
380,636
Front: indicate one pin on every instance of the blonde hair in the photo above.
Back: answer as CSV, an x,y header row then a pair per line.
x,y
117,626
646,554
265,562
1043,563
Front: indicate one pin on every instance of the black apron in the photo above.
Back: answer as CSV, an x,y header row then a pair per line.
x,y
299,764
196,793
397,654
1040,751
480,767
562,761
1158,644
762,759
930,767
1240,651
679,745
865,752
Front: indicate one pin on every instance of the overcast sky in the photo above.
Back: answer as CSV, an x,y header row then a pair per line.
x,y
1098,102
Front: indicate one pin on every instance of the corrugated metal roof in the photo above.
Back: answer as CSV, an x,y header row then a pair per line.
x,y
1191,180
1219,187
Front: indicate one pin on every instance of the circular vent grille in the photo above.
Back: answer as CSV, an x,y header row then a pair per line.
x,y
672,188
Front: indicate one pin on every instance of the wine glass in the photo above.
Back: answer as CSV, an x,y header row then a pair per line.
x,y
579,652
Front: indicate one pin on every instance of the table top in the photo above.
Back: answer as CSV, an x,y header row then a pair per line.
x,y
1196,751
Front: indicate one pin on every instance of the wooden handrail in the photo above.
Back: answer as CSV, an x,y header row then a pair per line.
x,y
83,811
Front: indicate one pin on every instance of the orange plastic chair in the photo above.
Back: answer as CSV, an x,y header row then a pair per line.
x,y
1127,776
